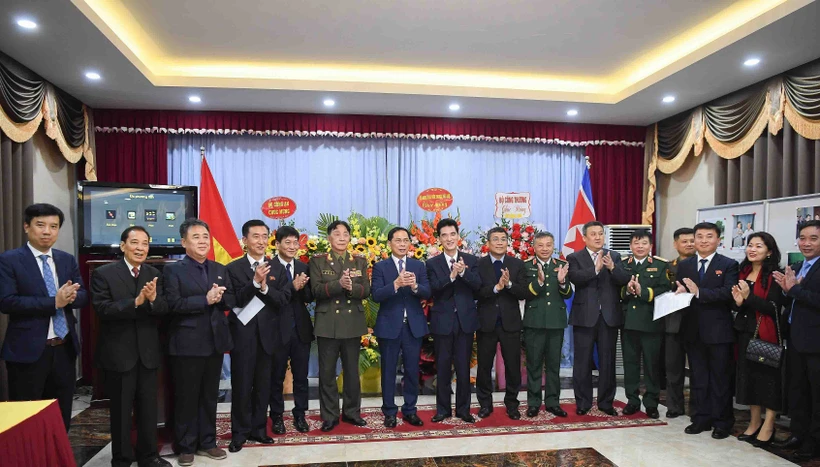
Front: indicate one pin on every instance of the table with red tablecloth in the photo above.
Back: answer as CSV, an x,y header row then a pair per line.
x,y
32,434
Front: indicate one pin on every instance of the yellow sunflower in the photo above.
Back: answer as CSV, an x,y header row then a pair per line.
x,y
272,241
360,248
371,241
311,245
419,254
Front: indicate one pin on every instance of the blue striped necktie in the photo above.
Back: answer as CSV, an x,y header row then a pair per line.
x,y
60,324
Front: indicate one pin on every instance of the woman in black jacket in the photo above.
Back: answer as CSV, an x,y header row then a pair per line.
x,y
758,304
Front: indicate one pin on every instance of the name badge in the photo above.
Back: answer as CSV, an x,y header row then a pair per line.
x,y
328,273
652,269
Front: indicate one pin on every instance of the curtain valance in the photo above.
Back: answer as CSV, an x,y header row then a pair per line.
x,y
26,100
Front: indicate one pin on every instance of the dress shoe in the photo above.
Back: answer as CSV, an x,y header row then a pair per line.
x,y
235,445
609,411
749,438
653,413
358,421
155,462
694,429
718,433
758,443
792,442
301,425
413,419
630,409
390,421
673,414
213,453
580,411
278,425
514,414
532,412
439,417
328,425
467,418
484,412
261,439
185,460
806,452
557,411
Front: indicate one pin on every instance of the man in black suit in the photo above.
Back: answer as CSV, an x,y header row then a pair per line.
x,y
127,298
707,331
503,284
801,284
255,281
40,287
454,279
198,292
675,356
595,317
292,335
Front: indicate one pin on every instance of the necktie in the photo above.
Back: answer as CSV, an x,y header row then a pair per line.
x,y
204,274
136,272
290,273
255,265
452,262
803,271
595,257
60,324
702,270
498,265
401,266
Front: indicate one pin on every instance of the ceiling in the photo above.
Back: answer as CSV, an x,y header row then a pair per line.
x,y
611,60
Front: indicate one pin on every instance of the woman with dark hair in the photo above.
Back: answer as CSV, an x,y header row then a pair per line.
x,y
758,304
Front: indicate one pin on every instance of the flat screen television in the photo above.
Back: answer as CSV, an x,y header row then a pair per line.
x,y
106,209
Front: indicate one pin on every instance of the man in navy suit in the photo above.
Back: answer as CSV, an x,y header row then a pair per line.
x,y
399,286
453,320
707,330
40,287
801,285
198,291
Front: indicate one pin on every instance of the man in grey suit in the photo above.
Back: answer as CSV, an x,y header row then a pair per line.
x,y
596,316
675,357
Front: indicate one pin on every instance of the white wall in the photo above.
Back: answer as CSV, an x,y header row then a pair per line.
x,y
681,194
54,181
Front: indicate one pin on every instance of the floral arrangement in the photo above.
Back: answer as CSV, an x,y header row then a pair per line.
x,y
519,237
369,354
424,239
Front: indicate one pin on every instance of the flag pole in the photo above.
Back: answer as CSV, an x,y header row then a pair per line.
x,y
586,161
202,153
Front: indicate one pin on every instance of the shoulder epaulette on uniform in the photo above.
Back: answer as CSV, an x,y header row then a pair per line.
x,y
661,259
629,260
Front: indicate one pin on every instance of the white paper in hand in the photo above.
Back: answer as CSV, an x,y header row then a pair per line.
x,y
670,302
250,310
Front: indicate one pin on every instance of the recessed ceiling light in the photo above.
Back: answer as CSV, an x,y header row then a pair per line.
x,y
195,99
26,24
752,62
92,75
668,99
572,112
329,102
455,107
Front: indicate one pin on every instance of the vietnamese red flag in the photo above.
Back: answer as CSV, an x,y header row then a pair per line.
x,y
225,245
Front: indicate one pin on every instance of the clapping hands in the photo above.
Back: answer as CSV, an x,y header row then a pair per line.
x,y
66,294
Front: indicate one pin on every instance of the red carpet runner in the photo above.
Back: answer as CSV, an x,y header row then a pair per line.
x,y
496,424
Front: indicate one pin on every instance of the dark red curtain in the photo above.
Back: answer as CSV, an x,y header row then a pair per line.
x,y
132,158
617,183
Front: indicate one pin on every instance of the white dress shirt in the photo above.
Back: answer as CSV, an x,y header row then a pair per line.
x,y
37,253
447,259
260,261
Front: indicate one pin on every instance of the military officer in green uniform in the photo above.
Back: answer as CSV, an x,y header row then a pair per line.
x,y
545,319
339,283
641,333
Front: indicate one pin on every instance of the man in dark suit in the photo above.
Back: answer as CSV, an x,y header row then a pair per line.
x,y
292,336
596,315
801,284
340,284
255,281
454,279
707,330
399,286
198,292
40,287
503,284
127,298
674,354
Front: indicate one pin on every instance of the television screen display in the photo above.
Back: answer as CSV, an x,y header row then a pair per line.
x,y
106,209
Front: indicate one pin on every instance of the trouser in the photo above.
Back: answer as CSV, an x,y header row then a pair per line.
x,y
543,348
329,352
135,389
196,389
637,346
52,376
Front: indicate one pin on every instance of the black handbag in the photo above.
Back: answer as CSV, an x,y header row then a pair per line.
x,y
765,352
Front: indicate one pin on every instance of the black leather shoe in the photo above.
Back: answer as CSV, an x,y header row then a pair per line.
x,y
694,429
413,419
328,425
301,424
792,442
514,414
277,425
439,417
630,409
155,462
390,421
580,411
484,412
718,433
532,412
673,414
749,438
805,453
758,443
235,446
652,413
467,418
557,411
610,411
358,421
261,439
